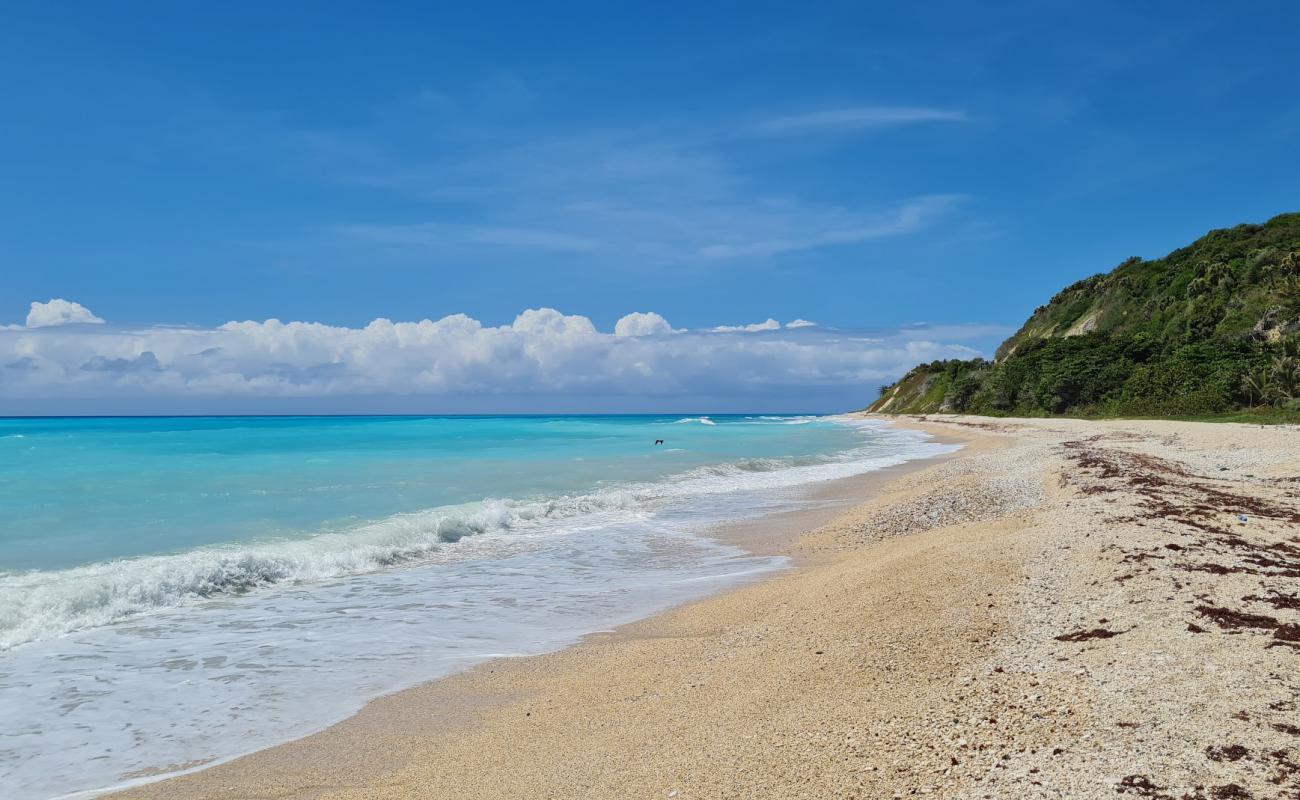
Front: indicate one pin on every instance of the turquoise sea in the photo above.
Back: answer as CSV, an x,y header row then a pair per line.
x,y
176,591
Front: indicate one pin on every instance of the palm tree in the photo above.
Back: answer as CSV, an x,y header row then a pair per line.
x,y
1255,386
1284,378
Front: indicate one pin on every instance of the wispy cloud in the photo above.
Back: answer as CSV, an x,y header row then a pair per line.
x,y
651,194
636,198
445,236
910,217
703,232
838,120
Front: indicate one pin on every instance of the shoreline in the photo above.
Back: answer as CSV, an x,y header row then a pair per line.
x,y
1012,621
768,534
774,534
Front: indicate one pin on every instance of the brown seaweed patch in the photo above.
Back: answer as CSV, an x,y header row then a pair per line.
x,y
1284,767
1142,786
1139,556
1085,635
1218,569
1233,620
1232,752
1275,599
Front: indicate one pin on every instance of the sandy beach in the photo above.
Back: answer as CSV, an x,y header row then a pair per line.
x,y
1065,608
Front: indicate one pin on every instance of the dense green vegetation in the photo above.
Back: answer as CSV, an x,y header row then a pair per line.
x,y
1209,330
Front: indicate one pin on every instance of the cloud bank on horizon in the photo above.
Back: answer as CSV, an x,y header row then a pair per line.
x,y
65,351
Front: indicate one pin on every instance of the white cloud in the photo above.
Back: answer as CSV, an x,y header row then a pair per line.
x,y
800,323
839,120
642,324
768,324
60,312
541,353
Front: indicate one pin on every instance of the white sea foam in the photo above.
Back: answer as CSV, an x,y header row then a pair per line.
x,y
40,604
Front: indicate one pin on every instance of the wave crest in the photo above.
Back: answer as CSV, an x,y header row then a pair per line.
x,y
39,604
43,604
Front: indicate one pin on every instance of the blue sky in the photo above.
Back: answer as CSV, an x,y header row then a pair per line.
x,y
865,166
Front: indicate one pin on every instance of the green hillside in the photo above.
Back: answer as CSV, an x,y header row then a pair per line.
x,y
1209,329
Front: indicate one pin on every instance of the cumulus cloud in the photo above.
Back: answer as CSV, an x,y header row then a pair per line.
x,y
642,324
543,352
60,312
800,323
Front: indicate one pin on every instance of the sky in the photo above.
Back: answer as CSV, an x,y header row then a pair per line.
x,y
410,207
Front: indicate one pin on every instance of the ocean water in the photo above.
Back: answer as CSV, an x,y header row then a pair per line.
x,y
179,591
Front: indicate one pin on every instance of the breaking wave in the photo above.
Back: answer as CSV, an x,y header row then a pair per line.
x,y
42,604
